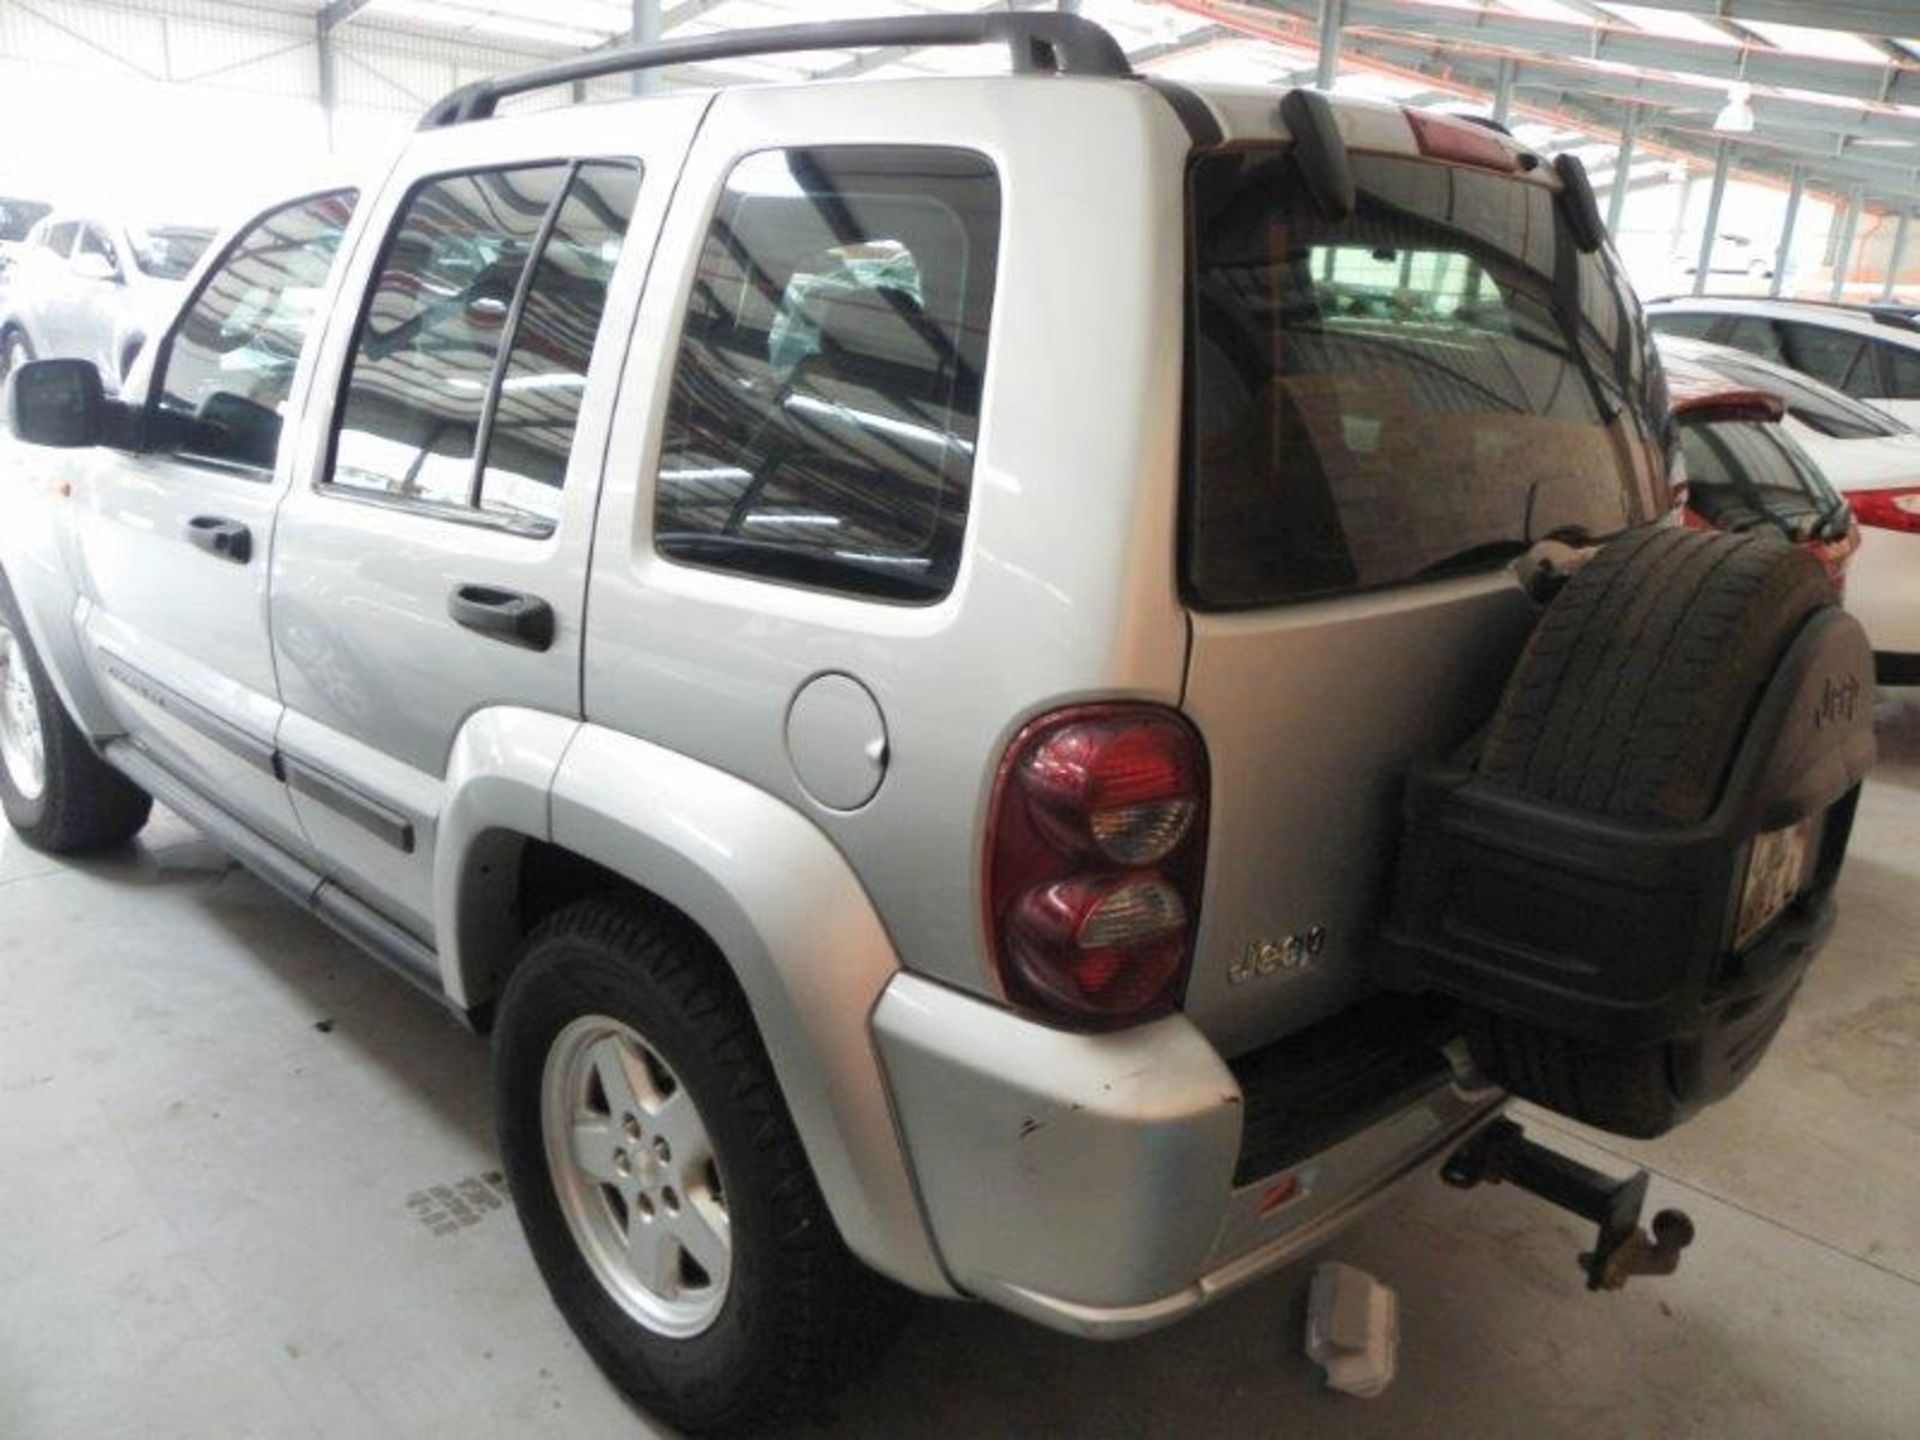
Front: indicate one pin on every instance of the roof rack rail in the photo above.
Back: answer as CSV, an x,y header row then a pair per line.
x,y
1045,41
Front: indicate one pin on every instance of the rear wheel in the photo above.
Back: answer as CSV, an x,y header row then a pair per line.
x,y
659,1179
57,794
1631,700
15,351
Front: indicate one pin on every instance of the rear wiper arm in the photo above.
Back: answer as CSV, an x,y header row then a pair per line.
x,y
1490,553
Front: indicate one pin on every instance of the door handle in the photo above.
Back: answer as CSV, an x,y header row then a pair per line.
x,y
228,539
523,620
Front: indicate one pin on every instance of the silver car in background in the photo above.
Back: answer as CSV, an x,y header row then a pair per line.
x,y
94,289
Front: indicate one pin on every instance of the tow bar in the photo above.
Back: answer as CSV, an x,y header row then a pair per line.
x,y
1622,1249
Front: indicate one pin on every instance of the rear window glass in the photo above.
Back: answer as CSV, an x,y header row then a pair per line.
x,y
1751,476
826,397
1424,388
1819,407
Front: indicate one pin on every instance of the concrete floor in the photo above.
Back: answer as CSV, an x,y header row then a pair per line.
x,y
245,1189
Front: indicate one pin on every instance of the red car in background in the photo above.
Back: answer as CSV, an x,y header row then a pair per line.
x,y
1745,472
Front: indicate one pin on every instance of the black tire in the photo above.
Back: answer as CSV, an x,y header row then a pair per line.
x,y
800,1313
1637,685
1631,700
83,804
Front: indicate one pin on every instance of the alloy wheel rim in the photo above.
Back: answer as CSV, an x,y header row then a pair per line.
x,y
634,1172
22,747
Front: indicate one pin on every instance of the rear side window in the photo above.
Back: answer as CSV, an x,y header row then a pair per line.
x,y
59,237
1901,367
826,396
464,387
1835,356
1423,388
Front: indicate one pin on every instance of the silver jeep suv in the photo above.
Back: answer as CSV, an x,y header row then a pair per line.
x,y
937,661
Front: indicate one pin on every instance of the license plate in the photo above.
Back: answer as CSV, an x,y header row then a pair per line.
x,y
1778,860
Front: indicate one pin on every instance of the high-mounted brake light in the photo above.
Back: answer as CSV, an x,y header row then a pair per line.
x,y
1442,138
1897,509
1095,851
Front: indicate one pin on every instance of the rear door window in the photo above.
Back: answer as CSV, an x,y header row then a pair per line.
x,y
1421,389
464,388
826,396
1757,335
1835,356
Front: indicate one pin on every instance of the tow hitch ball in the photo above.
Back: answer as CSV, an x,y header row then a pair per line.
x,y
1622,1250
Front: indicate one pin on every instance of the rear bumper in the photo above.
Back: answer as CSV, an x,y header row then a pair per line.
x,y
1088,1181
1883,590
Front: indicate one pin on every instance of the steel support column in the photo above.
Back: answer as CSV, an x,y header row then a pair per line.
x,y
1784,250
1622,167
1503,92
1843,248
1899,249
1331,15
647,29
1722,160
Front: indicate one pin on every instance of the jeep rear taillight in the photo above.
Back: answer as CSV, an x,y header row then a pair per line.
x,y
1096,846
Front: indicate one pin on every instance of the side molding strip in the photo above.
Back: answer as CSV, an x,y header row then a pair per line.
x,y
369,814
257,753
401,952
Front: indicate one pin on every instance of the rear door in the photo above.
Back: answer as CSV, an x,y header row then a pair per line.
x,y
1384,411
176,541
432,557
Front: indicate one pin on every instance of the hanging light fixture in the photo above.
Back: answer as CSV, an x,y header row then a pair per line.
x,y
1736,116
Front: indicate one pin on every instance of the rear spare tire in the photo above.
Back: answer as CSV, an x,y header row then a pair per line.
x,y
1576,885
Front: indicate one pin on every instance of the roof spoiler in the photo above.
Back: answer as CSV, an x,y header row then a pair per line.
x,y
1321,152
1727,407
1040,42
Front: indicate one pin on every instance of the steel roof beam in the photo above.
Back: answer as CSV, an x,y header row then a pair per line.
x,y
1866,17
336,14
1891,186
1618,43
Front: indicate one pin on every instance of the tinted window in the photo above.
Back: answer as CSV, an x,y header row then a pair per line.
x,y
1820,407
1424,387
228,367
826,398
1750,476
1901,367
1829,355
1691,324
59,237
531,433
433,331
1757,336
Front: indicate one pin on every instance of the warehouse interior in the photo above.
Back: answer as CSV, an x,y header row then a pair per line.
x,y
253,1185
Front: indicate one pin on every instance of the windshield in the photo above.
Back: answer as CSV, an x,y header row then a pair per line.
x,y
168,252
18,216
1429,385
1742,476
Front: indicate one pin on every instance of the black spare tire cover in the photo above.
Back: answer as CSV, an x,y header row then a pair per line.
x,y
1574,884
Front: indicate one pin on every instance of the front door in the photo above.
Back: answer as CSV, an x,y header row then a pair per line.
x,y
175,542
432,557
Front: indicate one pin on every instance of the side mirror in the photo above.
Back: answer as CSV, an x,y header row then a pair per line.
x,y
91,265
62,403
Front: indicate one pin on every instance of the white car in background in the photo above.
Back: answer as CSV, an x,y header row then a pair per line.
x,y
1871,352
93,289
1873,459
